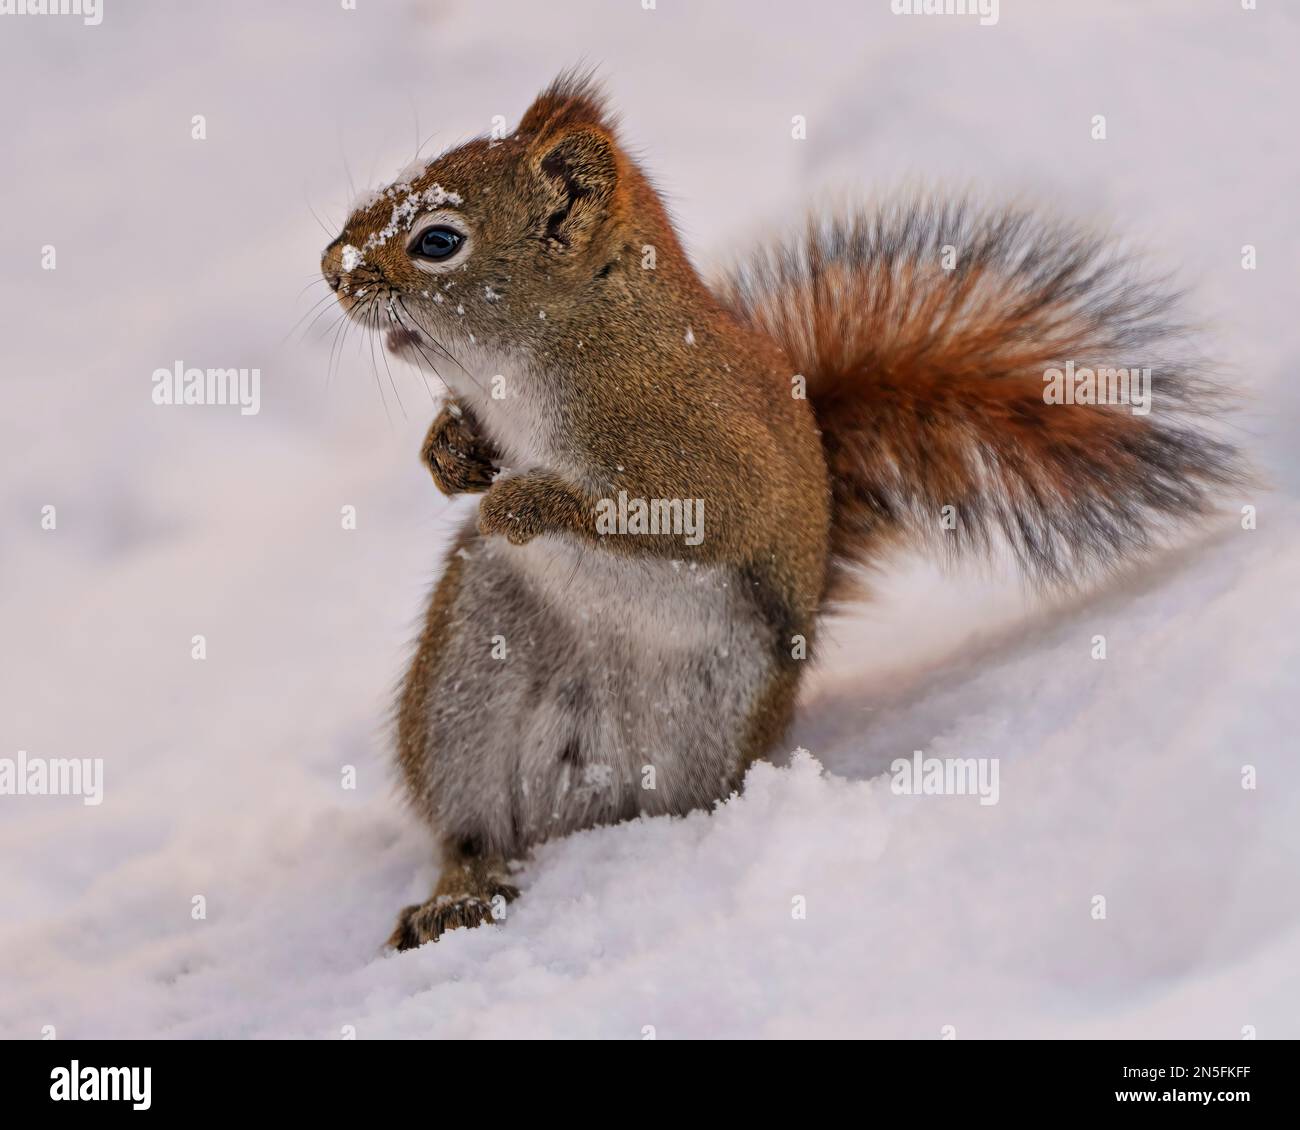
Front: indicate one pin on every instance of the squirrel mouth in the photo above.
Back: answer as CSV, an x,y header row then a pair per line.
x,y
399,338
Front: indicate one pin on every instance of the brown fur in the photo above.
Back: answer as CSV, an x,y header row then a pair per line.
x,y
412,705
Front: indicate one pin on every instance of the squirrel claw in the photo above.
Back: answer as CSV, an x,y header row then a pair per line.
x,y
460,462
427,922
455,472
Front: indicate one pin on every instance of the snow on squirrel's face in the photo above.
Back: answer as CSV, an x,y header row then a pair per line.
x,y
492,245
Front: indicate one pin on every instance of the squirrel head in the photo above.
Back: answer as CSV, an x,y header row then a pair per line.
x,y
500,241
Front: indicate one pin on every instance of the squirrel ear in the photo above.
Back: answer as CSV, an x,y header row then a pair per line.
x,y
579,168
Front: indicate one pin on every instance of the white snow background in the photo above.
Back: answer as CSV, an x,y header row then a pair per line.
x,y
1119,777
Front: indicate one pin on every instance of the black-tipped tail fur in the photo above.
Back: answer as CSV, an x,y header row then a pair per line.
x,y
930,336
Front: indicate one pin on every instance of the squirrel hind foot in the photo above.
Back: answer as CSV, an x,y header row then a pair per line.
x,y
428,921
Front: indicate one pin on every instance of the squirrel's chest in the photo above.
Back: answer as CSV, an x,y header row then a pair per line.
x,y
665,607
512,405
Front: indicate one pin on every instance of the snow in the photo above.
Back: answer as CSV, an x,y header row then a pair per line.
x,y
410,205
364,200
820,902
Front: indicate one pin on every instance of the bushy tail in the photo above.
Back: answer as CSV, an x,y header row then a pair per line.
x,y
926,333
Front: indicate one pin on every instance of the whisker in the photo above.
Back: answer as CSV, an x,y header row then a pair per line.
x,y
346,169
384,354
320,308
442,348
340,335
387,412
423,375
323,226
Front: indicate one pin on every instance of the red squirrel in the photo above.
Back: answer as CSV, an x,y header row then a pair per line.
x,y
678,480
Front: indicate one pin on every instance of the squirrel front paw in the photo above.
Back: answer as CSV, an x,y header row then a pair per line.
x,y
513,508
459,458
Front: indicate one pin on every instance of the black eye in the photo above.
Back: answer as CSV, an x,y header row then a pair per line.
x,y
437,243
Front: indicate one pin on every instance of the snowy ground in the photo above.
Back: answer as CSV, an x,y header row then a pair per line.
x,y
1119,778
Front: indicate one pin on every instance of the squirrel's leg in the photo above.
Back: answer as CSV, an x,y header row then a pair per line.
x,y
471,890
527,505
458,455
524,506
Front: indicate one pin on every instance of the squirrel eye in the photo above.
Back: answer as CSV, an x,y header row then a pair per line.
x,y
437,243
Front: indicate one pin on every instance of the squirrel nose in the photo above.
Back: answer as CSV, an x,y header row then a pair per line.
x,y
331,264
